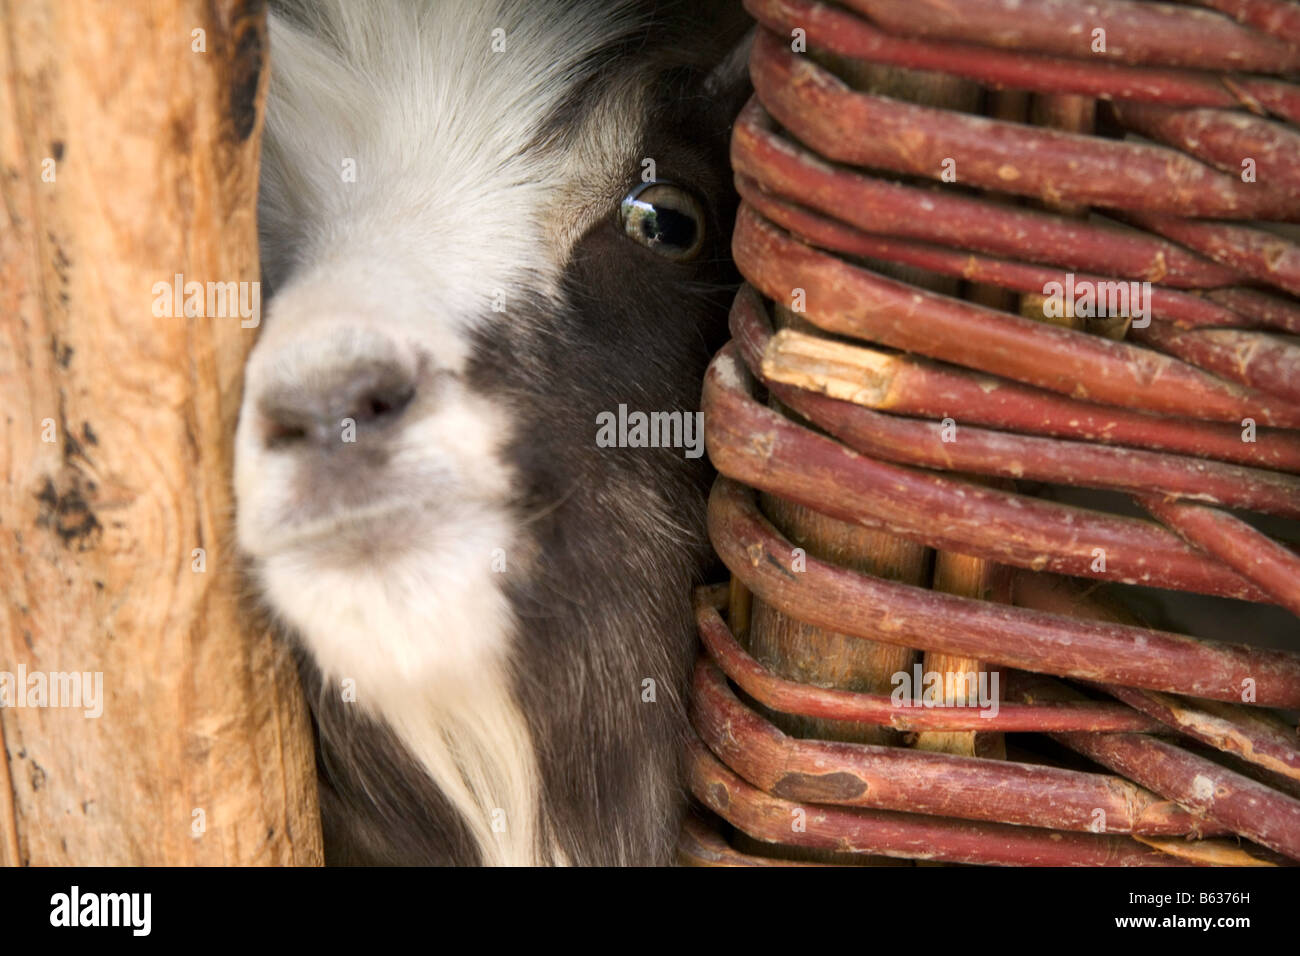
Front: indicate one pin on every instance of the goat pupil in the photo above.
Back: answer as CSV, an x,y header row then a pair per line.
x,y
663,217
669,226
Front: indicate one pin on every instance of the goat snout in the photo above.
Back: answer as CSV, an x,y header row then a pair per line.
x,y
338,406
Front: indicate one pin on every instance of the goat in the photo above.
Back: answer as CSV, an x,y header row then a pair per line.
x,y
485,224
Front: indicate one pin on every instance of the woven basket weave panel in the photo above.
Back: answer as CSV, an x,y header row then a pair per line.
x,y
946,360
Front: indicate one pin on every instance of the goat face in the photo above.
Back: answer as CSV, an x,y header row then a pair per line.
x,y
482,594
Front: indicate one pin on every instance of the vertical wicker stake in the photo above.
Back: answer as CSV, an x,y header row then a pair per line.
x,y
1073,114
813,655
129,138
967,576
960,573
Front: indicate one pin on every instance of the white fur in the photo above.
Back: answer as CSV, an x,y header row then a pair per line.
x,y
451,206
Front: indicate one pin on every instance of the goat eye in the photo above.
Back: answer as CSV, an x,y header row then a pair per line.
x,y
665,218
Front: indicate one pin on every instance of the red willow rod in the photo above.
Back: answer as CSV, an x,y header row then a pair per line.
x,y
1223,138
880,206
918,781
1252,252
814,229
910,385
1243,805
1228,798
864,129
1271,566
861,605
1281,18
1264,95
1231,799
755,445
1270,311
888,833
1262,361
792,697
854,301
1256,741
839,31
701,845
1157,34
985,452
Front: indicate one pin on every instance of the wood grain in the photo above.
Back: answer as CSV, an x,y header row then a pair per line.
x,y
153,145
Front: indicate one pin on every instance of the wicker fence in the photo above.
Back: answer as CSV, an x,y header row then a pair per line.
x,y
993,248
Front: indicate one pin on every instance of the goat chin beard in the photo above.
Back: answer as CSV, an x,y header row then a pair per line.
x,y
476,747
426,654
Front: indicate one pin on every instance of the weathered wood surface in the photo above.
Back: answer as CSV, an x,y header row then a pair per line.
x,y
129,138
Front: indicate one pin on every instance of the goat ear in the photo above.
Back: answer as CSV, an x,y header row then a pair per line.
x,y
725,33
726,22
727,86
729,80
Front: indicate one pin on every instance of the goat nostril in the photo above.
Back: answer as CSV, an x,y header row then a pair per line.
x,y
285,426
336,408
384,402
278,433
